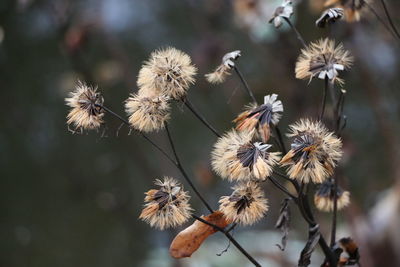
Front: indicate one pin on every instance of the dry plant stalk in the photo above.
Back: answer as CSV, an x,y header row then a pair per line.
x,y
242,155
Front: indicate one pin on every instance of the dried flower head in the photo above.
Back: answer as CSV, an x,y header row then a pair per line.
x,y
325,196
285,10
86,113
352,8
236,157
167,206
329,16
261,117
324,60
168,71
246,205
147,113
222,71
314,152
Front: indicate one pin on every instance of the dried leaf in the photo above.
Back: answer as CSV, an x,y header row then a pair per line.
x,y
313,238
283,222
190,239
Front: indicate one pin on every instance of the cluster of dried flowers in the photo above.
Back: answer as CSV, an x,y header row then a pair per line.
x,y
245,154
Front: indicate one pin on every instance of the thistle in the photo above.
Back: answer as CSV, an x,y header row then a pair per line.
x,y
246,205
167,206
86,112
325,196
314,152
236,157
147,113
323,60
169,72
261,118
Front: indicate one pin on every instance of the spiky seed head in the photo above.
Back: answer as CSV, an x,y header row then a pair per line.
x,y
86,112
169,72
323,59
314,152
246,205
325,196
166,207
147,113
236,157
261,118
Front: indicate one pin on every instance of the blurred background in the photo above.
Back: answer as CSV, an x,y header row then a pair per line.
x,y
74,200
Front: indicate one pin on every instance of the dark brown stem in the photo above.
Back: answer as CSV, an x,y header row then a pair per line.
x,y
182,170
390,19
321,115
245,85
280,139
296,32
141,134
381,21
190,106
281,187
334,215
230,237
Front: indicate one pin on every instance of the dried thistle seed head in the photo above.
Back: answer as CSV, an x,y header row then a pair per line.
x,y
314,152
329,16
325,196
223,70
285,10
86,113
246,205
169,72
352,8
261,118
236,157
147,113
166,207
324,60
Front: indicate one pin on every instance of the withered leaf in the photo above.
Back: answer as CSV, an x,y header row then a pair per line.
x,y
283,222
190,239
313,238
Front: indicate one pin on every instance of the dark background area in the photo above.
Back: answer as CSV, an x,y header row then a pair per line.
x,y
74,200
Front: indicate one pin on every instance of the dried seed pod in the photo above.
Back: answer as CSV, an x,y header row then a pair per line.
x,y
235,157
325,196
329,16
246,205
169,72
147,113
86,112
167,206
261,118
323,60
314,152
